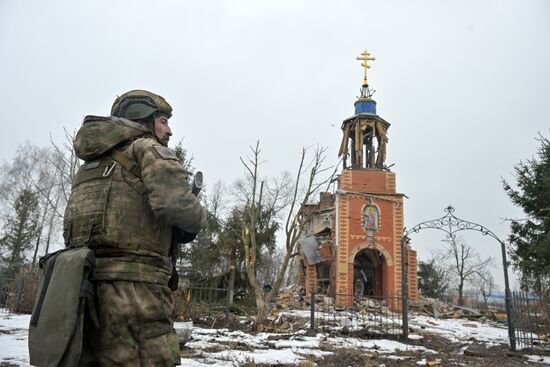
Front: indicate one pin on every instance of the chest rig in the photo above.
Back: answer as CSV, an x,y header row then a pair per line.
x,y
108,208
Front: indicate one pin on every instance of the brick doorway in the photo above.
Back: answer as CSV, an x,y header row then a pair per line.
x,y
368,273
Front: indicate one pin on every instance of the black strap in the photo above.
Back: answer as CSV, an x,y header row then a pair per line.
x,y
86,292
86,287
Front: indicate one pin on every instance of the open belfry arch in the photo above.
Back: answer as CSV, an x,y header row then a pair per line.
x,y
364,136
352,242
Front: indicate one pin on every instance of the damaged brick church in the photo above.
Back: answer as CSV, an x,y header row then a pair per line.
x,y
351,244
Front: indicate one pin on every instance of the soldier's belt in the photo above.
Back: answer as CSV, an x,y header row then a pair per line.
x,y
134,268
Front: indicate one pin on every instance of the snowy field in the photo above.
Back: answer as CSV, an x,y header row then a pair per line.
x,y
222,347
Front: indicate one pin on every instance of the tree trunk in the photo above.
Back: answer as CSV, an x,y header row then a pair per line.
x,y
460,289
262,312
50,230
16,257
36,247
232,274
42,221
292,227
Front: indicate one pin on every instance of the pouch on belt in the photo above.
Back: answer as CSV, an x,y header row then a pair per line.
x,y
55,330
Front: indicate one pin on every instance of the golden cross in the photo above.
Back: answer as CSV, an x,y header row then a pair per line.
x,y
365,57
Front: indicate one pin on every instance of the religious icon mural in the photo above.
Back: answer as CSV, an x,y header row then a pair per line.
x,y
370,217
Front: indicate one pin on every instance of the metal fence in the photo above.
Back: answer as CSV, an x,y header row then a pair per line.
x,y
351,315
17,294
4,293
531,318
202,304
340,314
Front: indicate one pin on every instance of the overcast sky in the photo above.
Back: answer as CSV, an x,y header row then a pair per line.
x,y
464,84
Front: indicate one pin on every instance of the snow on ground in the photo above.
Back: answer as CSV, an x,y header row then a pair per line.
x,y
459,330
222,347
380,345
456,330
14,338
262,347
539,359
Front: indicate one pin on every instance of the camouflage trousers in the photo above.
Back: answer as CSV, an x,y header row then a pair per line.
x,y
129,324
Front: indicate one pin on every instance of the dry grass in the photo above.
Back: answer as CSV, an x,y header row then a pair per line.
x,y
249,362
309,362
22,292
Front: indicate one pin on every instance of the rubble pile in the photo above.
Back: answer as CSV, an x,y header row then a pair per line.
x,y
292,297
440,310
372,306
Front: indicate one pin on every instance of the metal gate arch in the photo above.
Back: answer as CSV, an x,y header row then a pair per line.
x,y
451,224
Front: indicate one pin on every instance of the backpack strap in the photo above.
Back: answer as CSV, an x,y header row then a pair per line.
x,y
125,161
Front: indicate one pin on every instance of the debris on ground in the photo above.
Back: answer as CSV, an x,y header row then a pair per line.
x,y
440,310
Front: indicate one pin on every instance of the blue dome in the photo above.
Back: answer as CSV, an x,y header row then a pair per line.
x,y
365,105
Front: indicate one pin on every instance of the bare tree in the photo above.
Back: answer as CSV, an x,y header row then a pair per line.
x,y
66,164
49,172
486,285
275,198
21,173
56,168
465,263
46,173
31,171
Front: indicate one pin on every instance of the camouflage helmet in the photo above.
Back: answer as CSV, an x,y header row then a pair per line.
x,y
140,104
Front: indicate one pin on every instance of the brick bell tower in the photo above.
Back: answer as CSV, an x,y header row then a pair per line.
x,y
369,210
351,243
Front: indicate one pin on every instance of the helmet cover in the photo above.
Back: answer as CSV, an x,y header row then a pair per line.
x,y
140,104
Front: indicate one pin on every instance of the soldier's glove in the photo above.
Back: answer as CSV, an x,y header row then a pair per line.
x,y
180,236
197,183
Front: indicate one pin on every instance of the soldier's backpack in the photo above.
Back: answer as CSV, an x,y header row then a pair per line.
x,y
56,326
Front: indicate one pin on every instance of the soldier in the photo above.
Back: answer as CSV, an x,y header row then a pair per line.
x,y
131,204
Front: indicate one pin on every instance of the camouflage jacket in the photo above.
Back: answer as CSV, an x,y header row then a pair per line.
x,y
128,217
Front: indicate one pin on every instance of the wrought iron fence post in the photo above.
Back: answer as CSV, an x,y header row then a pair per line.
x,y
511,328
312,314
404,291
